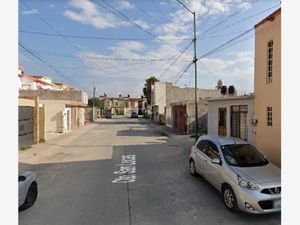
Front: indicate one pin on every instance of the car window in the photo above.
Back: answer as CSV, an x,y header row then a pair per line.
x,y
212,151
202,146
243,155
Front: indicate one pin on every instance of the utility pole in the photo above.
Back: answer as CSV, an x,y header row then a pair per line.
x,y
94,93
195,63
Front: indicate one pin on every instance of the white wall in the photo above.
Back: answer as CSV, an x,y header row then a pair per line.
x,y
213,117
159,95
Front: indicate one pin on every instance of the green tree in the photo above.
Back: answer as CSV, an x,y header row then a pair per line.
x,y
147,88
99,103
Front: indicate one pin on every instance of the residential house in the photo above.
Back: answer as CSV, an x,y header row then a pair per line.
x,y
175,106
64,109
113,105
230,116
28,82
134,105
267,86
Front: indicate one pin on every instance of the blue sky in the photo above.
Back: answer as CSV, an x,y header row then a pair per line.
x,y
119,44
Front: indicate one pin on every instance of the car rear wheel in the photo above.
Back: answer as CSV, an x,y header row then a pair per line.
x,y
229,198
192,168
30,197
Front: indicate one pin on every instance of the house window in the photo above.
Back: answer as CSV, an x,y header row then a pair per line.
x,y
269,116
239,126
270,63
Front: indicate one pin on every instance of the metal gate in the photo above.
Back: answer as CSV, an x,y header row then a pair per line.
x,y
26,126
179,118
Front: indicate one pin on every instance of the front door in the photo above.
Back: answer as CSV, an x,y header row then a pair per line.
x,y
222,121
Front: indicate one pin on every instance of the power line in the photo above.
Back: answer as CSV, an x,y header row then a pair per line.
x,y
43,60
99,58
249,17
98,38
179,74
226,18
123,16
213,51
59,33
167,69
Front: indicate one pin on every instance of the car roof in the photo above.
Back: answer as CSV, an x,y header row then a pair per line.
x,y
223,140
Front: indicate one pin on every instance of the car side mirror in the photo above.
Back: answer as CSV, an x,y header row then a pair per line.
x,y
216,161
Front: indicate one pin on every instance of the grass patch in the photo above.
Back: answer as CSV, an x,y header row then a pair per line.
x,y
25,148
193,134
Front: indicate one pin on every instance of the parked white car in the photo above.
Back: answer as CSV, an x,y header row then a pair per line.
x,y
244,176
28,189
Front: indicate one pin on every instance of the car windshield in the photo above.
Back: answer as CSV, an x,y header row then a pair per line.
x,y
243,155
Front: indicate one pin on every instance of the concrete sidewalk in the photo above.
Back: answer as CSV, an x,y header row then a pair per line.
x,y
171,133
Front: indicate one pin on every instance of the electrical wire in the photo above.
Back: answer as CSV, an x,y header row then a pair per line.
x,y
99,58
226,18
123,16
213,51
167,69
99,38
249,17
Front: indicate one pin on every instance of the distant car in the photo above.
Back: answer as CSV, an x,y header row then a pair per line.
x,y
246,179
108,115
134,115
28,189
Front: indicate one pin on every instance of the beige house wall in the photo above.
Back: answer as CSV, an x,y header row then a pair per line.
x,y
268,138
53,115
26,102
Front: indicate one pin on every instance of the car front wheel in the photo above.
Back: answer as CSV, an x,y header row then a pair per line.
x,y
229,198
30,197
192,168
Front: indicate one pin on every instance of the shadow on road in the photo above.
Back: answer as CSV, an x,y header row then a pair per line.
x,y
82,192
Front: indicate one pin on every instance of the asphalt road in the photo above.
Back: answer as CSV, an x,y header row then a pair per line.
x,y
81,175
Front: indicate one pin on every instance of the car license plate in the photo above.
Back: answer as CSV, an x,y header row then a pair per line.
x,y
277,203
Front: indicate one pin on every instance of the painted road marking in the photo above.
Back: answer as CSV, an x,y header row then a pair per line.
x,y
127,170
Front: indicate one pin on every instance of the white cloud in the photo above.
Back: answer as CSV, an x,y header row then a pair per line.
x,y
30,12
143,24
124,4
89,14
236,68
244,5
51,6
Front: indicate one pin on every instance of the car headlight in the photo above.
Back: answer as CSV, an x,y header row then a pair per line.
x,y
246,183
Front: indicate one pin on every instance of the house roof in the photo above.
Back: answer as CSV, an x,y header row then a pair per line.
x,y
36,79
76,104
229,98
268,18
